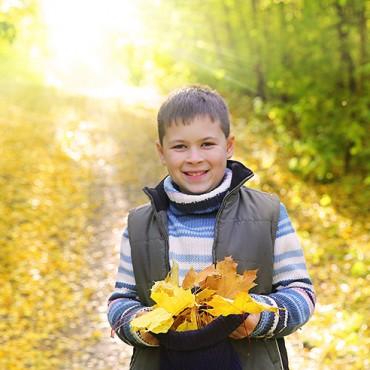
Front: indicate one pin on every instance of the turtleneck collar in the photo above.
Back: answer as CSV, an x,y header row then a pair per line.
x,y
197,203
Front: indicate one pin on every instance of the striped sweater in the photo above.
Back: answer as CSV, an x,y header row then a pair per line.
x,y
191,221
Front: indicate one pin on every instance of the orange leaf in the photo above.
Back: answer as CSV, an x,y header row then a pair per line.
x,y
204,295
211,282
226,267
226,281
189,279
201,276
230,285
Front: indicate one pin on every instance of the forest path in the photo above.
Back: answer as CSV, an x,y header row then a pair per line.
x,y
93,140
104,352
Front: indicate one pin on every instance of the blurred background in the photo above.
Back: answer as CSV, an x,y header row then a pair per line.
x,y
80,83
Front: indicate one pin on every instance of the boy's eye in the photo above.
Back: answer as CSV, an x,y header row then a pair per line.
x,y
208,144
178,146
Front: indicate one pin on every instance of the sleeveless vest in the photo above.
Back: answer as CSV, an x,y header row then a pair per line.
x,y
245,229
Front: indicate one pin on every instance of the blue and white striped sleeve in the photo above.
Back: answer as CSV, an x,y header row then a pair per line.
x,y
292,288
123,303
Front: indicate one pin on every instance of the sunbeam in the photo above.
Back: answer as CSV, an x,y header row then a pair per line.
x,y
82,39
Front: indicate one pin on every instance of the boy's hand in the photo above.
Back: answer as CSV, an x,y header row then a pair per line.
x,y
247,327
146,336
149,338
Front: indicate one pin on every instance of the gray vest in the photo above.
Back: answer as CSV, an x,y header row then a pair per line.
x,y
245,229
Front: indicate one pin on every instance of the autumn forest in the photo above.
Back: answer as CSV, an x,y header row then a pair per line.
x,y
80,85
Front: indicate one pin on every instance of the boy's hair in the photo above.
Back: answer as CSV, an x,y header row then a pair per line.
x,y
184,104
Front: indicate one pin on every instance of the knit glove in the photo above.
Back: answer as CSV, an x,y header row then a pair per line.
x,y
207,348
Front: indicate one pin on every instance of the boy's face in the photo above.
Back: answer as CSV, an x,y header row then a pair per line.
x,y
195,154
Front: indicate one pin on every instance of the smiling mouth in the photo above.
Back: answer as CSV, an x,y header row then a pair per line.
x,y
195,173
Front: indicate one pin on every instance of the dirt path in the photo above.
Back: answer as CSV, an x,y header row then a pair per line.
x,y
88,341
106,353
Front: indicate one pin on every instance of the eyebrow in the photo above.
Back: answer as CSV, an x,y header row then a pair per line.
x,y
178,141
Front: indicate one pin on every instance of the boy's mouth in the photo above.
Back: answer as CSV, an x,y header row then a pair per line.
x,y
195,173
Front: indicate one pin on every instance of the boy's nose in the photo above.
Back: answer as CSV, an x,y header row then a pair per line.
x,y
194,156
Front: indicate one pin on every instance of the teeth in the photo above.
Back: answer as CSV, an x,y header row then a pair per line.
x,y
195,173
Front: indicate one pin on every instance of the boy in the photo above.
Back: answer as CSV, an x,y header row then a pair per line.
x,y
197,215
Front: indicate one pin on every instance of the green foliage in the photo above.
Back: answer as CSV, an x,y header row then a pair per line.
x,y
21,34
333,225
7,31
308,60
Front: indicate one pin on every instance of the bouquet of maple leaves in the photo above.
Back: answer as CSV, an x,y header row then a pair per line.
x,y
203,296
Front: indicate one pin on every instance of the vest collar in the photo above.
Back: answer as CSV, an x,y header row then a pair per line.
x,y
160,200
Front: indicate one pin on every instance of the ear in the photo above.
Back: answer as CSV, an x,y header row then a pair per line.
x,y
159,148
230,146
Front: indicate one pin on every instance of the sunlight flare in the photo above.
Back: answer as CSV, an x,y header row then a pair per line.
x,y
83,37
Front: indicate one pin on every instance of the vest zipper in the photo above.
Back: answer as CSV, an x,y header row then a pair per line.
x,y
222,206
278,350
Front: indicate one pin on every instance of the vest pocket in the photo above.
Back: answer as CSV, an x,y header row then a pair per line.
x,y
145,359
257,354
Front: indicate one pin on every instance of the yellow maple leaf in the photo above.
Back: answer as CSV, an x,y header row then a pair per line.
x,y
194,315
247,304
157,321
172,298
187,325
204,295
190,323
243,303
173,276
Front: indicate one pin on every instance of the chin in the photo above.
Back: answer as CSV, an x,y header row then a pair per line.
x,y
197,191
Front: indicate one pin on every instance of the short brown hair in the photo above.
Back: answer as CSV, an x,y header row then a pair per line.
x,y
184,104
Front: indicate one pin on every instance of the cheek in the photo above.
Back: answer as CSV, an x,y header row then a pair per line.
x,y
173,161
219,158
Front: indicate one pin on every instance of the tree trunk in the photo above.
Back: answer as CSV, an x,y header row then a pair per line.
x,y
258,66
346,58
285,57
349,81
363,45
216,40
